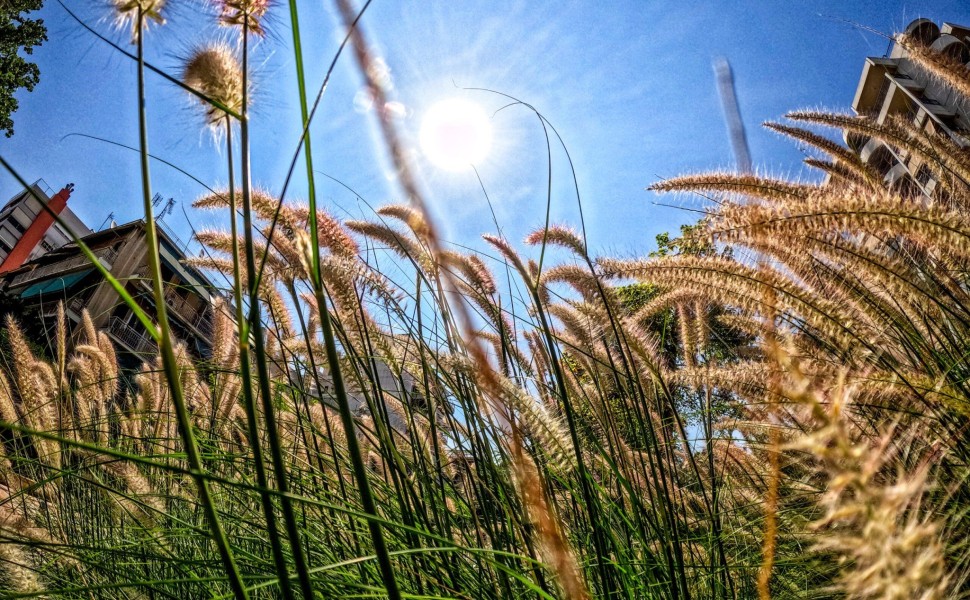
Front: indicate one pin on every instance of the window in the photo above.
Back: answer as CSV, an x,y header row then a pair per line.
x,y
8,236
47,247
923,175
16,225
913,112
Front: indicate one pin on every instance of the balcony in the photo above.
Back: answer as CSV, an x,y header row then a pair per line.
x,y
77,304
105,255
872,147
907,83
855,140
199,319
130,337
937,110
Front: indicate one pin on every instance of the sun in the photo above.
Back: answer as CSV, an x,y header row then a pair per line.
x,y
455,134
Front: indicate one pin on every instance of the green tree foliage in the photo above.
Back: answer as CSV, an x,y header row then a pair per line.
x,y
724,344
693,241
17,33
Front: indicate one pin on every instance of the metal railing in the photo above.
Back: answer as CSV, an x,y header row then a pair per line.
x,y
200,319
197,318
181,245
42,186
77,304
105,255
135,340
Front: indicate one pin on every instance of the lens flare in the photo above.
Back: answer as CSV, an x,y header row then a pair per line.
x,y
455,134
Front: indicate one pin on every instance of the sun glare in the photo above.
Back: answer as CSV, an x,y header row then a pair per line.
x,y
455,134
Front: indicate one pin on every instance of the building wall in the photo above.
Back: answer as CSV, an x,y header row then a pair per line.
x,y
21,210
58,236
894,87
131,254
15,218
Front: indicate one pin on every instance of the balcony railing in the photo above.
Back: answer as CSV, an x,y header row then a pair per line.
x,y
105,255
135,340
77,304
199,319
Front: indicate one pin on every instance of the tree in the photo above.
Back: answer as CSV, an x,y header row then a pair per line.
x,y
17,32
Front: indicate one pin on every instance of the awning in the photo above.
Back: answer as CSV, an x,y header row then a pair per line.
x,y
54,285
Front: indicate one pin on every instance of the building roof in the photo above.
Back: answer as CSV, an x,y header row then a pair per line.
x,y
100,239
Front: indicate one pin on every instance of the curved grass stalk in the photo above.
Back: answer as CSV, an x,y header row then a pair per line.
x,y
166,347
254,329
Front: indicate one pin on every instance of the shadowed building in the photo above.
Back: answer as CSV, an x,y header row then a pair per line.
x,y
33,290
893,86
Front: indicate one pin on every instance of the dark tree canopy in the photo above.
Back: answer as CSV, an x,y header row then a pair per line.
x,y
17,33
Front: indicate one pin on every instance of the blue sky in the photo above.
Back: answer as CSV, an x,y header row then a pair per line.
x,y
628,85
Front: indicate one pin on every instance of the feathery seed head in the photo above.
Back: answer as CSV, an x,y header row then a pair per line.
x,y
939,65
731,183
263,202
403,244
471,267
215,72
135,14
248,13
303,247
333,236
412,217
558,235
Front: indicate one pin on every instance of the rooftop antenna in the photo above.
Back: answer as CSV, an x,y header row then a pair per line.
x,y
109,219
732,115
166,210
156,200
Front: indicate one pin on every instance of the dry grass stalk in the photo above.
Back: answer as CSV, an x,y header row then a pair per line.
x,y
555,548
889,545
943,67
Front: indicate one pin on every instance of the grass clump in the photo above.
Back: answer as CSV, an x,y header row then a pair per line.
x,y
772,405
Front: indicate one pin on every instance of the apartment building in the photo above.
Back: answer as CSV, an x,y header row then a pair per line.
x,y
27,231
33,290
893,86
